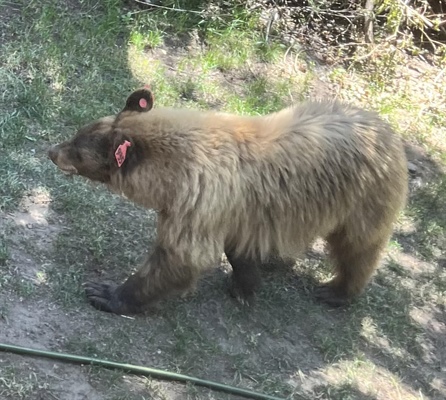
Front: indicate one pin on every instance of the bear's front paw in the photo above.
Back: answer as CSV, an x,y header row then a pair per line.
x,y
105,297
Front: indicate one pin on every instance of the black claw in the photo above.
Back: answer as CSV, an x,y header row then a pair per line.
x,y
241,296
112,298
103,297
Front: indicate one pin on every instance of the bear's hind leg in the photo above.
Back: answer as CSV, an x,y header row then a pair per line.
x,y
245,277
355,262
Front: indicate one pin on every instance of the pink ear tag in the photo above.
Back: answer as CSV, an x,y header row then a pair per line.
x,y
121,151
142,102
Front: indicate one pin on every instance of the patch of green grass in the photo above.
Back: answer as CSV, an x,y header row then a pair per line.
x,y
344,391
4,251
116,241
13,282
4,312
238,44
382,70
229,44
382,312
413,105
143,40
173,23
58,61
12,276
227,52
395,245
66,284
20,167
88,347
396,268
16,385
23,287
261,96
276,387
55,61
428,209
232,38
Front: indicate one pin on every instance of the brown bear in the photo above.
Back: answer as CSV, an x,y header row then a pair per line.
x,y
248,186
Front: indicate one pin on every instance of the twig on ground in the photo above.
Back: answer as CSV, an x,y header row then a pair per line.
x,y
273,17
167,8
368,21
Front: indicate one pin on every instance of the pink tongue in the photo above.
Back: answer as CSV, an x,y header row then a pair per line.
x,y
143,103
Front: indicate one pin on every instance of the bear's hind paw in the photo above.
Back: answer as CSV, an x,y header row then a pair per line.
x,y
329,295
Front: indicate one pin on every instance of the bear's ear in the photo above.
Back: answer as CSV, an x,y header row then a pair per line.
x,y
123,147
140,100
127,153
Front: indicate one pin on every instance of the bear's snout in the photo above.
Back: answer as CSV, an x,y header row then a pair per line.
x,y
52,153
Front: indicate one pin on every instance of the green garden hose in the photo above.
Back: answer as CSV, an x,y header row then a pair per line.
x,y
157,373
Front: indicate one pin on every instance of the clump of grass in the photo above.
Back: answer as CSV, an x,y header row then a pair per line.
x,y
4,251
236,45
15,384
428,209
261,96
146,40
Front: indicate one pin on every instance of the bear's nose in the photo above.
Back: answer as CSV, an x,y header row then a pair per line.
x,y
52,153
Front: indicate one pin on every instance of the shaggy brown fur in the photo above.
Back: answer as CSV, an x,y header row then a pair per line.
x,y
246,186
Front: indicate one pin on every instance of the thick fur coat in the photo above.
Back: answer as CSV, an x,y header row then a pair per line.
x,y
246,186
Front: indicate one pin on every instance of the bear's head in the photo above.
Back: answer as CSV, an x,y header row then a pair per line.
x,y
100,148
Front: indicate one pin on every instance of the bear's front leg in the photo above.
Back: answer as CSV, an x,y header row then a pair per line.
x,y
160,275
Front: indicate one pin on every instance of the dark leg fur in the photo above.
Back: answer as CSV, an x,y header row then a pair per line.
x,y
158,277
245,278
355,263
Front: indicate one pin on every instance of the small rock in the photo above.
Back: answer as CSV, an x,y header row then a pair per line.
x,y
417,183
29,226
412,168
